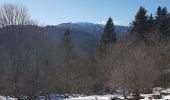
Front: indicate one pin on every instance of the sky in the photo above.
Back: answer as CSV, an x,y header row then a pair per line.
x,y
53,12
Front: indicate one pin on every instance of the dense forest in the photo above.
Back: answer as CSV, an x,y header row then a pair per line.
x,y
33,61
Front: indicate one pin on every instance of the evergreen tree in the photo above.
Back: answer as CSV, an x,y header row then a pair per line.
x,y
151,22
108,37
70,62
162,21
67,45
158,13
67,57
139,26
107,41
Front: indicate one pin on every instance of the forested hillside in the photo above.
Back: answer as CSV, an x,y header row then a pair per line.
x,y
86,34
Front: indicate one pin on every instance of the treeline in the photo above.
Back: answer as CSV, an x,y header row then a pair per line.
x,y
139,61
32,62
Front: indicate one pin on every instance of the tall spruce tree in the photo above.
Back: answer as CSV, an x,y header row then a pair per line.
x,y
67,57
70,64
162,21
67,43
109,36
139,26
107,41
151,22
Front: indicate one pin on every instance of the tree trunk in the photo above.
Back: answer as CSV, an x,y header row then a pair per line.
x,y
124,94
136,94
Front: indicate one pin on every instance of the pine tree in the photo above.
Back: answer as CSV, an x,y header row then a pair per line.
x,y
70,62
162,21
139,26
109,36
151,22
107,41
67,46
158,13
67,57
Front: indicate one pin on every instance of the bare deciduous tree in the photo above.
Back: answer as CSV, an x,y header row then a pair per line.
x,y
12,14
134,69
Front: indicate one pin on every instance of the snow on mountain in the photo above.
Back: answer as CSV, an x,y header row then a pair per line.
x,y
95,29
86,34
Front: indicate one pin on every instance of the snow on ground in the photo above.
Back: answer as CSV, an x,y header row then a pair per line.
x,y
156,91
95,97
146,96
163,98
90,98
7,98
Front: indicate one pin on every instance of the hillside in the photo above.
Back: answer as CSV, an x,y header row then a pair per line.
x,y
86,34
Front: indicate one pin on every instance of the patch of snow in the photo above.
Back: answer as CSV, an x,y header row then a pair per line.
x,y
91,98
156,91
7,98
166,97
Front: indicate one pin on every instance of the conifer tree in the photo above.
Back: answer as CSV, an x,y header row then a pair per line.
x,y
158,13
107,41
139,26
151,22
162,21
108,37
70,63
66,56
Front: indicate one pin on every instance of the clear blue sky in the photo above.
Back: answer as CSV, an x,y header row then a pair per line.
x,y
59,11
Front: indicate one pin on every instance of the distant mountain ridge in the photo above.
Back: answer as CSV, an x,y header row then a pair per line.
x,y
92,28
87,35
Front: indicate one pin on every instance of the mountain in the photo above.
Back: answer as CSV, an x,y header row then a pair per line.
x,y
86,41
87,35
91,28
